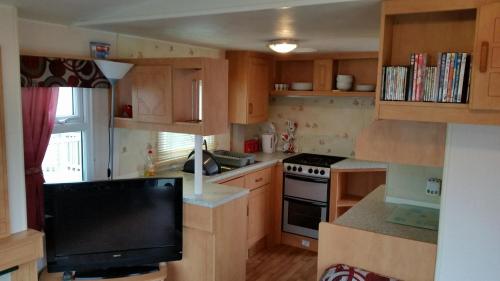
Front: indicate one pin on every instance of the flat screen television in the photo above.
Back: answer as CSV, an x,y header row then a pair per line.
x,y
104,225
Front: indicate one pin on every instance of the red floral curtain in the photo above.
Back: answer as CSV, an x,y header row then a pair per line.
x,y
39,113
57,72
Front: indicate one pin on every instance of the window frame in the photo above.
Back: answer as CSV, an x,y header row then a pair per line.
x,y
79,122
175,159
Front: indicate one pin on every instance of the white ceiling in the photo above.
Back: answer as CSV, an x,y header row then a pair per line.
x,y
324,25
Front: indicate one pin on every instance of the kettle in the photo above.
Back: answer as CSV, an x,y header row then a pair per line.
x,y
269,141
210,165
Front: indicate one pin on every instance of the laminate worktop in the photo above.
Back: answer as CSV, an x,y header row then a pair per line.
x,y
215,194
370,214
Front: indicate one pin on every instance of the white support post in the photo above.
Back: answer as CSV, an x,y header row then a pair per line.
x,y
198,165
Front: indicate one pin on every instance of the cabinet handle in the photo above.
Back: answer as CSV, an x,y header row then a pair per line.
x,y
250,108
193,91
483,57
200,100
259,179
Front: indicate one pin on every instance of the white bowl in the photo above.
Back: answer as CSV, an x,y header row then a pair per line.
x,y
301,86
344,86
364,88
344,78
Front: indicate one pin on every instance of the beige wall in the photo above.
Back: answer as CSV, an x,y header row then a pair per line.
x,y
12,112
408,182
325,125
59,40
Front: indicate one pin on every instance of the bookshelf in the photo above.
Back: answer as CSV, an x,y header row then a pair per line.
x,y
431,27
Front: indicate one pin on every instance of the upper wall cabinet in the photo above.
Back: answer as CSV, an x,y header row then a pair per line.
x,y
321,71
249,86
433,27
184,95
487,64
152,93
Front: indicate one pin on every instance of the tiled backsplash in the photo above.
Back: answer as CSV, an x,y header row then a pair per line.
x,y
325,125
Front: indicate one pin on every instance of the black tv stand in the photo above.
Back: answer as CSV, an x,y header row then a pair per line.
x,y
116,272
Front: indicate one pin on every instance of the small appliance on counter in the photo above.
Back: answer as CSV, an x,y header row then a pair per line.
x,y
210,164
251,146
269,142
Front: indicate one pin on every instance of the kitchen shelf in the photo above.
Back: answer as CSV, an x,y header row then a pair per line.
x,y
435,112
321,94
349,200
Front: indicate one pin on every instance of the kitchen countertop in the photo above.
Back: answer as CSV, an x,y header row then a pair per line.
x,y
215,194
370,214
358,164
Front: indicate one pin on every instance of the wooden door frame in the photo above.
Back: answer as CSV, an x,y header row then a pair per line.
x,y
4,221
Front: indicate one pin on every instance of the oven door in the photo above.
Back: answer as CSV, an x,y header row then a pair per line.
x,y
302,217
308,188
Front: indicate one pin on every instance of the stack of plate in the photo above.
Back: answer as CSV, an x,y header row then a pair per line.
x,y
344,82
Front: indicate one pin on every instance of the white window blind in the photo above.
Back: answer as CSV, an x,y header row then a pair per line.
x,y
172,146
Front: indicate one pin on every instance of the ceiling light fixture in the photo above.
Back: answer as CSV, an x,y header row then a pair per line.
x,y
283,46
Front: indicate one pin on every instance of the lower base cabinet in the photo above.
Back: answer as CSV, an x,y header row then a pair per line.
x,y
258,210
257,214
212,248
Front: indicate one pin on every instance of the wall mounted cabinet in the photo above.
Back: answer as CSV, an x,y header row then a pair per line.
x,y
430,27
322,69
249,86
184,95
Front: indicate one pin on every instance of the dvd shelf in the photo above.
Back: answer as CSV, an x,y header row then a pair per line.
x,y
448,82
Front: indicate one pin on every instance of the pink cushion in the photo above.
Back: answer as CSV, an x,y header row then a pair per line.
x,y
342,272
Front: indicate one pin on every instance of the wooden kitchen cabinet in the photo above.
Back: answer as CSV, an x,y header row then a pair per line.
x,y
323,75
257,214
152,94
428,26
183,95
349,186
249,86
486,64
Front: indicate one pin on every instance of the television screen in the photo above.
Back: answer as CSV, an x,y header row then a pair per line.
x,y
108,224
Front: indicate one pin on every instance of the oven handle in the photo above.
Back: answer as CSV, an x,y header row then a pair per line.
x,y
306,178
316,203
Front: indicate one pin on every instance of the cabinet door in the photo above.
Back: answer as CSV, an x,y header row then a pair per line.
x,y
485,93
152,94
259,70
323,75
257,210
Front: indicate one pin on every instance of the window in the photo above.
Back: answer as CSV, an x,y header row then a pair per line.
x,y
173,146
65,159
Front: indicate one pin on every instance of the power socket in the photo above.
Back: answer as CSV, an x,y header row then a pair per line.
x,y
433,187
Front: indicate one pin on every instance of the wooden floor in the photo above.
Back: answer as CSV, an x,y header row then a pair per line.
x,y
282,263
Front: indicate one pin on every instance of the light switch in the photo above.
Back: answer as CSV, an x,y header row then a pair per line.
x,y
433,187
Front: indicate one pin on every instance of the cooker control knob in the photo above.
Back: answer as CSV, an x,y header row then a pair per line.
x,y
300,169
316,171
289,168
322,172
310,171
294,168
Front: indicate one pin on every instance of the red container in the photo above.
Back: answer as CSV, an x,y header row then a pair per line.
x,y
251,146
127,111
